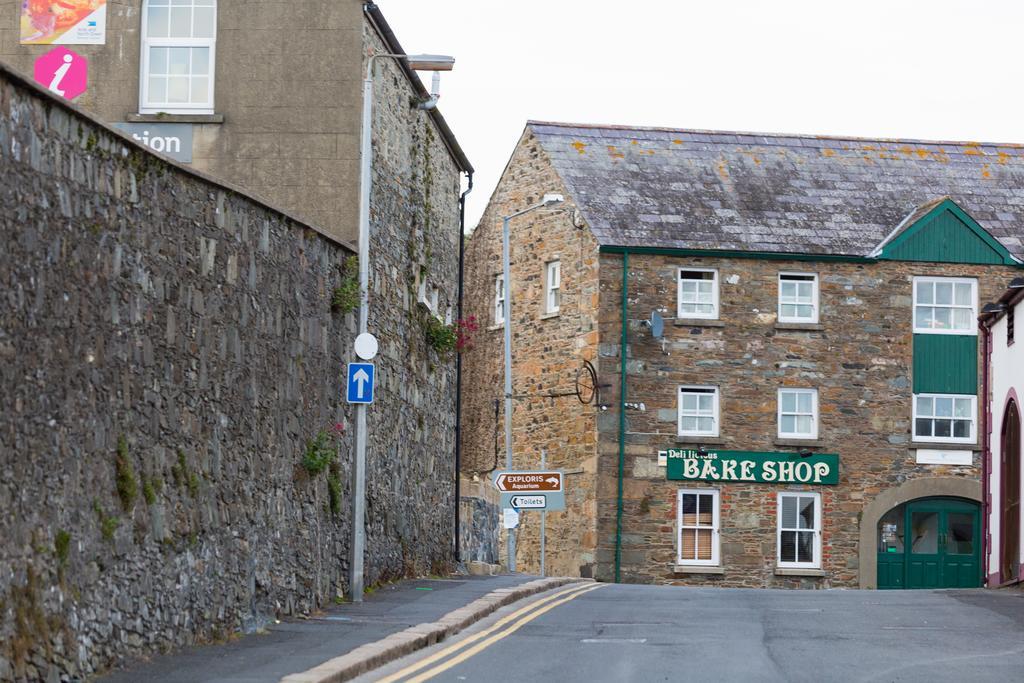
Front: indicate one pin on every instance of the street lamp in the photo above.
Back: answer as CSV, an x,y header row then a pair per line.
x,y
421,63
548,200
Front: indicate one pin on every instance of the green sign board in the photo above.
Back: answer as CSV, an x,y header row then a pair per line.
x,y
768,468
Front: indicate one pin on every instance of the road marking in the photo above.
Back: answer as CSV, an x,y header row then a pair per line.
x,y
614,640
480,647
412,668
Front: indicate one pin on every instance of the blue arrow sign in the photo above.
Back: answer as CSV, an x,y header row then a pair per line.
x,y
360,383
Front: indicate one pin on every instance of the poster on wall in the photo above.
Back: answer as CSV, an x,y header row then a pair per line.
x,y
63,22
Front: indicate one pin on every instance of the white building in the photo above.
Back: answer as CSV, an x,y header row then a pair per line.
x,y
1004,384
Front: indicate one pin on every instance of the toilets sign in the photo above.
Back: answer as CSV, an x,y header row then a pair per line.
x,y
768,468
62,72
171,139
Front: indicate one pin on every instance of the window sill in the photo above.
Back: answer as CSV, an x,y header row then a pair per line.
x,y
698,322
547,316
701,440
799,571
805,327
943,446
175,118
499,326
802,443
697,569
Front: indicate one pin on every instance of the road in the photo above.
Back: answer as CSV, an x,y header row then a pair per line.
x,y
604,632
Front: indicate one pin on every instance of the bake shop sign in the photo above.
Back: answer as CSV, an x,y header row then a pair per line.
x,y
768,468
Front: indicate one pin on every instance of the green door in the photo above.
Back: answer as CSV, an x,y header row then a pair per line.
x,y
930,543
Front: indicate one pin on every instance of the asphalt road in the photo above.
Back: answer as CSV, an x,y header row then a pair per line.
x,y
666,633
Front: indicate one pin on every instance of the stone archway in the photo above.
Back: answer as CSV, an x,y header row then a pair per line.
x,y
955,487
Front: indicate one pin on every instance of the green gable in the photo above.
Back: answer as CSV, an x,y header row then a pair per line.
x,y
945,234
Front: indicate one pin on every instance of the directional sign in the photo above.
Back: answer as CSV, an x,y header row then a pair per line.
x,y
360,382
528,482
529,502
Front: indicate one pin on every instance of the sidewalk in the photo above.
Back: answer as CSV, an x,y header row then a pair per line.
x,y
297,645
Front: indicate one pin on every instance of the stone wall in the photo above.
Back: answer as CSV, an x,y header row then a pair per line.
x,y
548,351
169,354
859,360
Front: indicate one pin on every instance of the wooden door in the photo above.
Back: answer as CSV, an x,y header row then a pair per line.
x,y
1009,553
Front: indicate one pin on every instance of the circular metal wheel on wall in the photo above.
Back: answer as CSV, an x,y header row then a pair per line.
x,y
587,388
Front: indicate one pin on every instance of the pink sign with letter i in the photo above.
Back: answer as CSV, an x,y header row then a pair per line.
x,y
63,72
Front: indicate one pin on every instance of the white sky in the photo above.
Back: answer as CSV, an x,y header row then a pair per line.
x,y
932,69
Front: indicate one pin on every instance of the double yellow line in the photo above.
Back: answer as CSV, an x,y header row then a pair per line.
x,y
504,627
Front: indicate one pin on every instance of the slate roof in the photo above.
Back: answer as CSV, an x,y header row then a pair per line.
x,y
694,189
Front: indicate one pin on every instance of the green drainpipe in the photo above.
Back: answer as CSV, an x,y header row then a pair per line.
x,y
622,412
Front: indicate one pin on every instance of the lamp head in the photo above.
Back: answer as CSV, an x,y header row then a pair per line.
x,y
993,308
431,62
1017,283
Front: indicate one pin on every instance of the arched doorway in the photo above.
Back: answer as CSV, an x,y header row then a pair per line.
x,y
1009,478
930,543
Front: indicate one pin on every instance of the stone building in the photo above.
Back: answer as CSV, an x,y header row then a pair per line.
x,y
1003,384
797,320
175,447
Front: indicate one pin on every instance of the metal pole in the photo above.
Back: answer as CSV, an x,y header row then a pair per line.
x,y
543,514
506,276
359,471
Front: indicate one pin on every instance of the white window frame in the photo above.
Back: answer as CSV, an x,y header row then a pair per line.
x,y
715,526
552,285
814,413
954,280
818,522
499,299
973,438
714,294
716,412
147,42
814,299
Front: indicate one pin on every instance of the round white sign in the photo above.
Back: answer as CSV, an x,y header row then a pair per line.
x,y
366,346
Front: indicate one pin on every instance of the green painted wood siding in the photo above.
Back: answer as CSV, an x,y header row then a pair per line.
x,y
945,364
942,238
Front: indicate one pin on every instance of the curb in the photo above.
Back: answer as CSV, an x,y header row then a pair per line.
x,y
372,655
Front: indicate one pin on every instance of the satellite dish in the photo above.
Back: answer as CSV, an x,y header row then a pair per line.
x,y
657,325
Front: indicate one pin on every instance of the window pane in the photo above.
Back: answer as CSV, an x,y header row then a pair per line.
x,y
706,402
804,402
924,533
788,290
158,60
922,427
806,512
704,544
788,424
803,424
788,402
963,294
787,546
925,293
181,22
201,61
962,407
705,309
705,507
805,550
177,60
943,318
943,407
688,287
924,405
963,318
203,22
944,293
157,89
689,424
177,89
943,427
689,402
804,291
200,90
789,311
805,311
156,24
706,424
689,544
788,512
689,509
923,317
962,429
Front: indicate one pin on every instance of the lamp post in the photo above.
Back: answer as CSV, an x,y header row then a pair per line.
x,y
548,200
420,63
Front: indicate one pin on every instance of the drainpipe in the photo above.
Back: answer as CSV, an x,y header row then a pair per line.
x,y
458,365
986,451
622,412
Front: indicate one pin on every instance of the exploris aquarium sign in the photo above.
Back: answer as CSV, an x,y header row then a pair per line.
x,y
768,468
